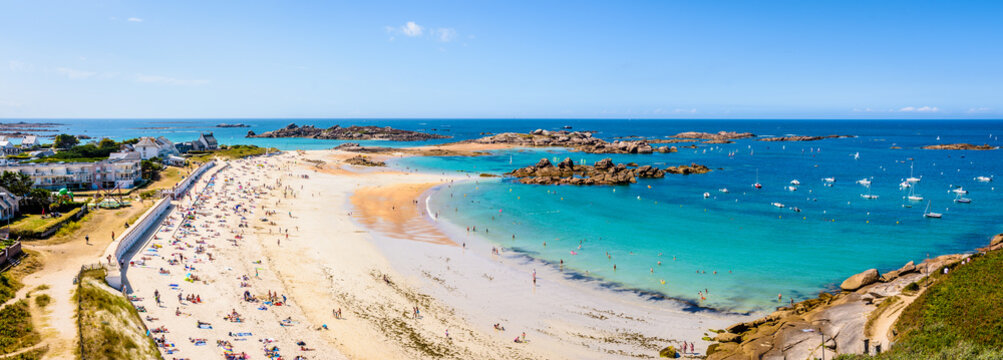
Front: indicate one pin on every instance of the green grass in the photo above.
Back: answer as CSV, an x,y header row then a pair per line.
x,y
43,300
34,225
958,317
16,331
233,152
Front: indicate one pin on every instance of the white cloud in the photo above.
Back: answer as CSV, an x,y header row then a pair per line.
x,y
10,104
20,66
134,19
922,109
74,73
158,79
411,29
444,34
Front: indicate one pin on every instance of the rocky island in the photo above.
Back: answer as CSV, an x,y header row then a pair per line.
x,y
805,138
575,140
604,172
361,160
346,133
225,125
960,147
721,137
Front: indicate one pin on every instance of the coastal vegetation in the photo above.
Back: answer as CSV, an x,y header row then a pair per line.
x,y
37,225
16,330
110,327
231,152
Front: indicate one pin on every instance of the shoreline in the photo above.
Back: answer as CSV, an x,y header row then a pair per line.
x,y
414,257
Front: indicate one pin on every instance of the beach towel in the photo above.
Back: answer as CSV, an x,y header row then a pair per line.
x,y
205,326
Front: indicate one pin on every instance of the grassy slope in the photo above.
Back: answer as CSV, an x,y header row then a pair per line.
x,y
16,331
959,317
233,152
110,326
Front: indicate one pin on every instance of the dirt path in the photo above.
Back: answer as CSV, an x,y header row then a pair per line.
x,y
63,258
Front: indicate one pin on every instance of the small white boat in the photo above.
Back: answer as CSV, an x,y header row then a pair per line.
x,y
706,195
911,178
779,205
913,196
984,179
796,209
795,182
932,215
792,188
869,196
904,185
829,179
962,200
864,181
757,185
723,190
960,191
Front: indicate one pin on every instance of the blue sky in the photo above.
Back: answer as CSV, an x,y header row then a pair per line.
x,y
612,59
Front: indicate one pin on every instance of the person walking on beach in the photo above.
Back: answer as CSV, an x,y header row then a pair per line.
x,y
87,238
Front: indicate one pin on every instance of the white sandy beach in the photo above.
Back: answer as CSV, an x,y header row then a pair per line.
x,y
360,241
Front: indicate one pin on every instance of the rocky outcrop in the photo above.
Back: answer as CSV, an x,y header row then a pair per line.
x,y
604,172
722,136
805,138
894,274
960,147
225,125
346,133
360,160
860,280
575,140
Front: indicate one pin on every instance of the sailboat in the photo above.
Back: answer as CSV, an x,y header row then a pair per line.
x,y
984,179
864,181
757,185
960,190
962,200
929,214
911,178
912,195
868,195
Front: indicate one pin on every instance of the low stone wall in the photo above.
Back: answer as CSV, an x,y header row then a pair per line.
x,y
187,183
9,254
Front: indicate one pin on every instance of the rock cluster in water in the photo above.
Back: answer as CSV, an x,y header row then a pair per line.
x,y
346,133
360,160
960,147
719,137
575,140
604,172
804,138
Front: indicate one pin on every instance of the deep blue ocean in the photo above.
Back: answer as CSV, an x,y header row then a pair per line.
x,y
756,249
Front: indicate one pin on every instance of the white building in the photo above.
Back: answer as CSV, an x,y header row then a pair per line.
x,y
149,148
30,141
107,174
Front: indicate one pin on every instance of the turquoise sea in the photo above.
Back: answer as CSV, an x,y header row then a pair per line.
x,y
757,249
